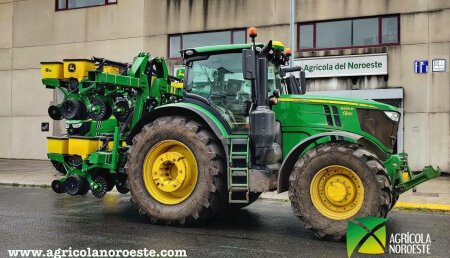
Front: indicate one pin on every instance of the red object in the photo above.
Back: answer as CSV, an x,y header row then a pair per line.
x,y
274,101
252,32
288,51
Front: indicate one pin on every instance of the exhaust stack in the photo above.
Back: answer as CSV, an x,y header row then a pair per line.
x,y
262,118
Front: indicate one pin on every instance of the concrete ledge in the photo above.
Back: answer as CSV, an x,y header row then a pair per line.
x,y
25,185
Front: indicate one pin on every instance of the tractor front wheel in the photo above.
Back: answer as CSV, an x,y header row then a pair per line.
x,y
335,182
174,169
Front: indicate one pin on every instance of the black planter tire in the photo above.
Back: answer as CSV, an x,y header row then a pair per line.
x,y
59,167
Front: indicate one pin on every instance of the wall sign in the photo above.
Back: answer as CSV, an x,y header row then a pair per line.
x,y
45,127
421,66
439,65
352,65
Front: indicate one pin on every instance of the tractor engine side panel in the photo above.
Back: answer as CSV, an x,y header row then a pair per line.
x,y
304,118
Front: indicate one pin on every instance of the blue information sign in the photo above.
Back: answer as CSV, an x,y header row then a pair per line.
x,y
421,66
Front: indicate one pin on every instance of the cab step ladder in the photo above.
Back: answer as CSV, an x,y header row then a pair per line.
x,y
238,171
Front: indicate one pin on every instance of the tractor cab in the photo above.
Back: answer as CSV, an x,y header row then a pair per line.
x,y
215,74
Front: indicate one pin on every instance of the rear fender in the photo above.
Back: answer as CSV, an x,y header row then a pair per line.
x,y
182,109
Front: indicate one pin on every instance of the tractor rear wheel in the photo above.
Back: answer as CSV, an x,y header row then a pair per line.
x,y
174,169
335,182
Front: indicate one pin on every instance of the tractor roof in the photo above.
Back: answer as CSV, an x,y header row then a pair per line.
x,y
216,49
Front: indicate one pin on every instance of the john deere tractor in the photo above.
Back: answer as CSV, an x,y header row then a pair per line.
x,y
237,125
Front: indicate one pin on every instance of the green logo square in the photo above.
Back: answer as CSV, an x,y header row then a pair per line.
x,y
366,235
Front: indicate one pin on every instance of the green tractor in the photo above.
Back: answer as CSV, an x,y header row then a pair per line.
x,y
237,126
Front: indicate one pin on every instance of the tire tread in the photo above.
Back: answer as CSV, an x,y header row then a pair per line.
x,y
203,209
368,158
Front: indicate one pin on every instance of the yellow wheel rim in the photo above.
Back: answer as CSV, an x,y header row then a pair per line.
x,y
170,172
337,192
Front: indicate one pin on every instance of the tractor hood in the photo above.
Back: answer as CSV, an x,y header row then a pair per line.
x,y
359,103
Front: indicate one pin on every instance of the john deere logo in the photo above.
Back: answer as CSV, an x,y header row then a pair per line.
x,y
180,73
72,68
366,235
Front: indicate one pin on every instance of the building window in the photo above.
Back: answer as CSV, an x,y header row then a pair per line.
x,y
178,42
75,4
307,36
359,32
389,30
365,32
333,34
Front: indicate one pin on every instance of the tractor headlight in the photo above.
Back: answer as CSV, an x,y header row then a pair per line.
x,y
394,116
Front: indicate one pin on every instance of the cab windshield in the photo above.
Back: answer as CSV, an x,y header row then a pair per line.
x,y
219,79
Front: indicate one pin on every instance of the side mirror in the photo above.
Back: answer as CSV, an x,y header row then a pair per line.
x,y
302,82
266,50
293,85
249,64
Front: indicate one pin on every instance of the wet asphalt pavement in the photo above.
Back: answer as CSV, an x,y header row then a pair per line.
x,y
32,218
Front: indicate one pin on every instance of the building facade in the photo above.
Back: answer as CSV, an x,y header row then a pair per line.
x,y
395,51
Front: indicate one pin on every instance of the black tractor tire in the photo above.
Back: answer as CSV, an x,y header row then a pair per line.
x,y
209,194
375,180
252,197
59,167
